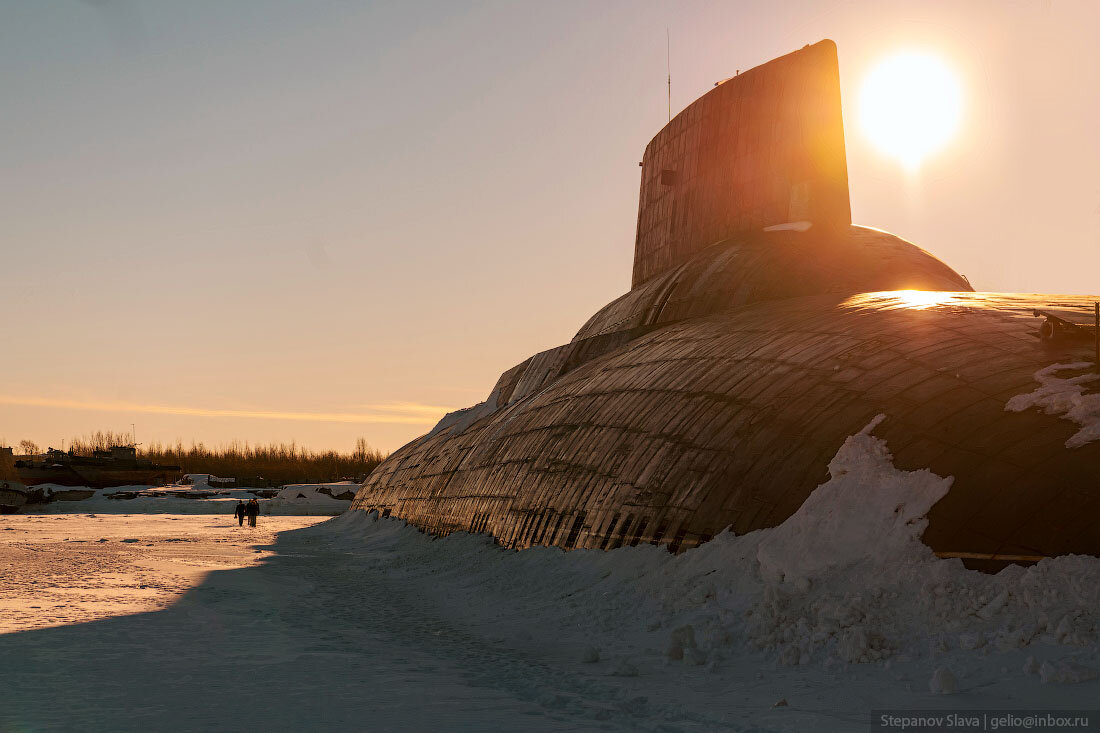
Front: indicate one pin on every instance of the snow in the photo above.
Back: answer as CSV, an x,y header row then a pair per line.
x,y
467,416
314,500
822,536
1065,397
943,682
1065,673
362,622
310,499
316,491
116,564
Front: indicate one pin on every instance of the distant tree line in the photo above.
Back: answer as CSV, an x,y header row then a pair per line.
x,y
273,464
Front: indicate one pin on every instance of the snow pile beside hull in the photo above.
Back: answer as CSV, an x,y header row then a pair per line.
x,y
845,580
868,512
1066,398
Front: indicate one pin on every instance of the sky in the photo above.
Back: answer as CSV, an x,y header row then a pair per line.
x,y
313,222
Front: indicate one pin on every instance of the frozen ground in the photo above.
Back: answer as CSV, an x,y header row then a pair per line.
x,y
293,500
361,623
66,569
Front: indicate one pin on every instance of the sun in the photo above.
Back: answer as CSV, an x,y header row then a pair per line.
x,y
910,106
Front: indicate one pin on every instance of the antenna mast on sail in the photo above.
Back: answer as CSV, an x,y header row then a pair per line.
x,y
668,64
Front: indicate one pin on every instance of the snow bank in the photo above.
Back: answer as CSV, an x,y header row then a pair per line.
x,y
193,499
1065,397
807,626
844,581
467,416
344,490
868,512
310,499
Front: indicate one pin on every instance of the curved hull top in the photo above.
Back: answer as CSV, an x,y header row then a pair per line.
x,y
731,419
763,266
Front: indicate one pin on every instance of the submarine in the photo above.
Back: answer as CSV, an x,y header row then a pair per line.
x,y
761,330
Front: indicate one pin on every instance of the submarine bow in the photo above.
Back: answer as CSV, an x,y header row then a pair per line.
x,y
762,329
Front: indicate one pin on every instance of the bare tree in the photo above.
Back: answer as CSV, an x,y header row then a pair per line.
x,y
29,447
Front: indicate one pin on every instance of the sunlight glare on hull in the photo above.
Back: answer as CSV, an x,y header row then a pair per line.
x,y
909,299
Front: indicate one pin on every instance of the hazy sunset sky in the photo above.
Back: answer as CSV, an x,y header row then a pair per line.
x,y
316,221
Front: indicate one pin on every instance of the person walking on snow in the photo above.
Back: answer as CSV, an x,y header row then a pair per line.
x,y
253,509
239,512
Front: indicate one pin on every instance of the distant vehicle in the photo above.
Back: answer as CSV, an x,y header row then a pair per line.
x,y
116,466
209,479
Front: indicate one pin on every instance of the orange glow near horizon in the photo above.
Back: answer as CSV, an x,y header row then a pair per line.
x,y
910,106
402,413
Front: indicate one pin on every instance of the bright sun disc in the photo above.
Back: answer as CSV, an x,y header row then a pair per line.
x,y
910,106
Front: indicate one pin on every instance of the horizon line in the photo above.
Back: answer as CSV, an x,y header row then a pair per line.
x,y
402,413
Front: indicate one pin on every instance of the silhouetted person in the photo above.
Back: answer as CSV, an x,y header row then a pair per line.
x,y
253,509
239,512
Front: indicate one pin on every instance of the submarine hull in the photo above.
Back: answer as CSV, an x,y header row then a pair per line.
x,y
731,420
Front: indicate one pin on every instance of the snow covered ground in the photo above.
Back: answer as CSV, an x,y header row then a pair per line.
x,y
65,569
294,500
362,623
